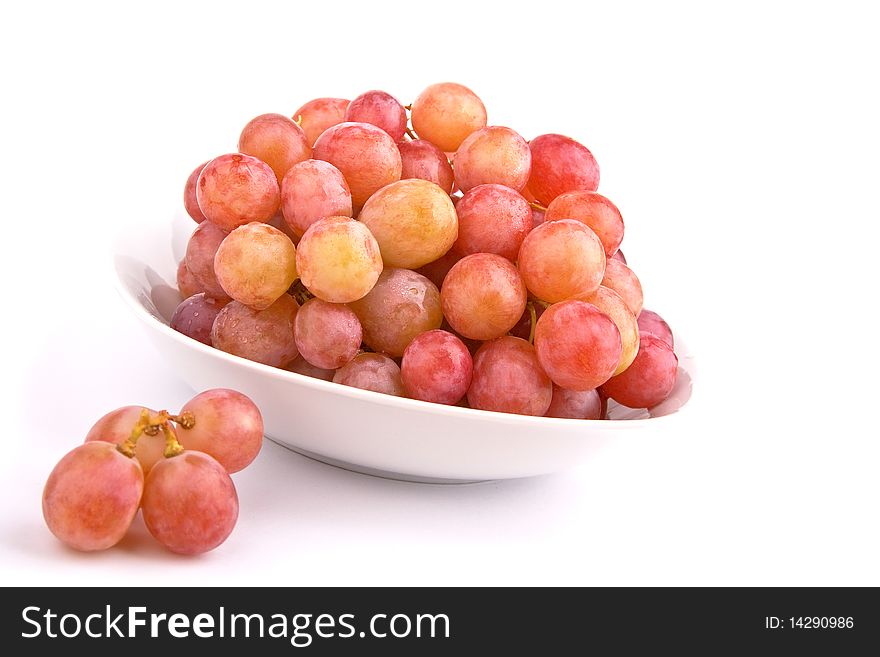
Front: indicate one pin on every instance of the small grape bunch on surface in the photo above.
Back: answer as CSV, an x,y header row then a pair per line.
x,y
174,468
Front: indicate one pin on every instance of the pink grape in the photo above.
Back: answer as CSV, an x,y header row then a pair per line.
x,y
414,222
236,189
195,316
651,322
200,252
624,281
328,335
92,496
446,113
190,505
338,259
594,210
263,336
276,140
319,114
421,159
400,306
256,264
575,404
618,255
492,219
301,366
313,190
116,427
610,303
561,260
649,380
560,165
186,282
483,296
493,155
379,109
437,367
366,155
578,345
436,271
189,195
374,372
228,426
508,378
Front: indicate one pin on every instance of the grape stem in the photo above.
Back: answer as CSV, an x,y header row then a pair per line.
x,y
411,133
533,317
140,427
186,419
152,425
298,119
172,445
538,206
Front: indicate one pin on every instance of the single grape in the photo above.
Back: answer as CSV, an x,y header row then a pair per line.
x,y
493,155
328,335
116,427
402,305
421,159
263,336
483,296
189,195
92,496
319,114
276,140
508,378
366,156
228,426
186,282
200,252
374,372
561,260
313,190
301,366
651,322
649,380
559,165
195,316
594,210
575,404
436,367
624,281
446,113
236,189
190,505
436,271
492,219
338,259
256,264
379,109
413,221
578,345
610,303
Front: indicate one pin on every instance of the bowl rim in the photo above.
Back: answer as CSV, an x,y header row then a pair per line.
x,y
405,403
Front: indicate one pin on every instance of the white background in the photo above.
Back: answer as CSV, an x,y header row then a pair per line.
x,y
742,146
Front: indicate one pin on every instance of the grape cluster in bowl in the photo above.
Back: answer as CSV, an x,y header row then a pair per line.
x,y
417,251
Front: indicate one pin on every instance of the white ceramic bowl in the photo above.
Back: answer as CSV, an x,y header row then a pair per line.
x,y
358,429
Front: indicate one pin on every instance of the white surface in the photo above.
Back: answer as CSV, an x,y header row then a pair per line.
x,y
741,146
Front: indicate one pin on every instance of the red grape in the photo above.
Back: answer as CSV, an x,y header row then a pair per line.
x,y
319,114
577,345
228,426
437,367
92,496
374,372
301,366
328,335
493,155
379,109
508,378
194,317
189,195
313,190
651,322
263,336
276,140
421,159
483,296
649,380
186,282
610,303
116,427
594,210
559,165
446,113
492,219
236,189
575,404
624,281
200,252
190,505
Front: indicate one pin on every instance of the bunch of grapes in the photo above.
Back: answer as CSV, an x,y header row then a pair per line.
x,y
175,468
417,251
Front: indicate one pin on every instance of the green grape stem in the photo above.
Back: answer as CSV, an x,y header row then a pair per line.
x,y
152,425
537,206
140,427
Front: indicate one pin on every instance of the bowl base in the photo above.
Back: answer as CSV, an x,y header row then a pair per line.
x,y
373,472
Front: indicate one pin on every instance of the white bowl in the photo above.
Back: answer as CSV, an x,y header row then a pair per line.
x,y
358,429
